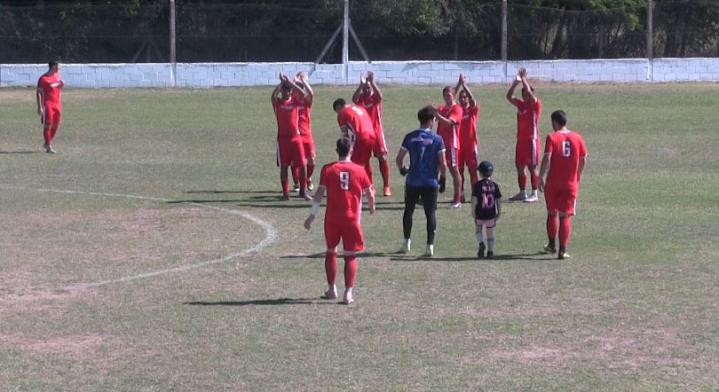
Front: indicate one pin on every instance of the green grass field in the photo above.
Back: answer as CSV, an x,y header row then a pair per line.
x,y
152,253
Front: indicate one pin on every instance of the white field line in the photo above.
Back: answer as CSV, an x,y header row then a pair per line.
x,y
270,235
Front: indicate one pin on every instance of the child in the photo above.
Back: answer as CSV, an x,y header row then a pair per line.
x,y
486,207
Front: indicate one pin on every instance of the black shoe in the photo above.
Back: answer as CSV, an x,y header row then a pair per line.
x,y
549,248
480,252
490,254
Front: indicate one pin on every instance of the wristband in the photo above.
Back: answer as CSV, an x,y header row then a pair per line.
x,y
315,208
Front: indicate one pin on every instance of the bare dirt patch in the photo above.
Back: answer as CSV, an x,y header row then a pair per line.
x,y
625,350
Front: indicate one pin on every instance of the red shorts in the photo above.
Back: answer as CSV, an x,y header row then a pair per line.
x,y
560,200
53,116
308,146
468,157
362,150
290,152
380,147
527,152
349,231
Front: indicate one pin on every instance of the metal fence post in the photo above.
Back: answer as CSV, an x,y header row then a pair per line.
x,y
504,36
346,41
650,41
173,41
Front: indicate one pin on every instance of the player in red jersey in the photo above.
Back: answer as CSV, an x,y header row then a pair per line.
x,y
369,96
289,142
344,182
564,158
305,124
529,108
49,105
355,124
449,116
469,145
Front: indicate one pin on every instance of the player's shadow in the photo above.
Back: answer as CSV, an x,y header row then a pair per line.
x,y
262,302
272,200
500,257
217,191
21,152
321,255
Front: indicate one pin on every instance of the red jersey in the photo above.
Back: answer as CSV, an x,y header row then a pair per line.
x,y
528,119
345,181
468,126
287,116
50,87
373,106
449,133
358,122
304,111
566,149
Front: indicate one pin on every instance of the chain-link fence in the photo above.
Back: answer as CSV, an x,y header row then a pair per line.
x,y
276,31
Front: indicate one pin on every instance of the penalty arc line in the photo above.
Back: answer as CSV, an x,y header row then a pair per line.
x,y
270,235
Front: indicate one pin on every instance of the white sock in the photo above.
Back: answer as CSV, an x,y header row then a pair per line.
x,y
480,238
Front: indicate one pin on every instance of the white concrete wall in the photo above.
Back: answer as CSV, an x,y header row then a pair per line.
x,y
205,75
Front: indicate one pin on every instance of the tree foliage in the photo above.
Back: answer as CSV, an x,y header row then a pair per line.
x,y
285,30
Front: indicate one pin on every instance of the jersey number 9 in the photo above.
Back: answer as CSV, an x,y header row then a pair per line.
x,y
344,180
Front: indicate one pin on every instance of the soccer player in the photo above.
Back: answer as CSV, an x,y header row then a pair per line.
x,y
305,123
344,182
355,124
564,158
425,176
289,142
486,208
529,108
369,96
449,116
49,106
469,145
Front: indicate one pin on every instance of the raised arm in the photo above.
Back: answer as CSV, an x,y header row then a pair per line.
x,y
470,96
309,92
358,91
460,82
527,87
274,97
510,92
373,83
289,82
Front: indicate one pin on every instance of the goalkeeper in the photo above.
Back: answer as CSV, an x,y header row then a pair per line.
x,y
425,175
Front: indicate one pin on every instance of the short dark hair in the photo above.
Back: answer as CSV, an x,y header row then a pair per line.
x,y
559,117
426,113
343,146
53,63
339,102
448,88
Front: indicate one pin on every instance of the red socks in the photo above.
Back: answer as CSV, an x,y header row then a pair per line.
x,y
331,266
552,224
565,228
522,180
535,181
350,270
